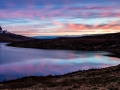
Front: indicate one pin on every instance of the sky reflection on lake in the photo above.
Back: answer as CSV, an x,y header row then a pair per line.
x,y
20,62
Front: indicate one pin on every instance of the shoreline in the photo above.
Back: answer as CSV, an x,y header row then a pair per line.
x,y
114,52
92,79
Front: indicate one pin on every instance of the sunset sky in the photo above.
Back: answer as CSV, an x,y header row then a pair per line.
x,y
60,17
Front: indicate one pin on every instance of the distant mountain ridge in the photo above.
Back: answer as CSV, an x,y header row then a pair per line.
x,y
45,37
53,37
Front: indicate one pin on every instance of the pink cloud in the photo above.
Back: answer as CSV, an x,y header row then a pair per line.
x,y
57,23
49,13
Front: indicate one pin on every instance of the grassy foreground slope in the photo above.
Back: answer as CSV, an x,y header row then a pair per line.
x,y
93,79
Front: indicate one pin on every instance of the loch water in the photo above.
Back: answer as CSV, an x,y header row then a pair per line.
x,y
20,62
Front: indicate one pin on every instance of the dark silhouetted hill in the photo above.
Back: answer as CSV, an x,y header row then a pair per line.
x,y
98,42
9,37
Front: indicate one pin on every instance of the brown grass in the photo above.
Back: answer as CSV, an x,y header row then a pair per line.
x,y
93,79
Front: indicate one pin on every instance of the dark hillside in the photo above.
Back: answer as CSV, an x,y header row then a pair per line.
x,y
9,37
98,42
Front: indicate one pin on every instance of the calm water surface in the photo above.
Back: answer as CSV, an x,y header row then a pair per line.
x,y
20,62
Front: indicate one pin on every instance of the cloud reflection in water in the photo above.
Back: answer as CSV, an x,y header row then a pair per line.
x,y
25,62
